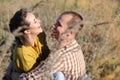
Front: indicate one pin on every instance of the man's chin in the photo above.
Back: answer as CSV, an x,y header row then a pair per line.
x,y
54,37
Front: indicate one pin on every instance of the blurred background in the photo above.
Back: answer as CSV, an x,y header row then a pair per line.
x,y
99,39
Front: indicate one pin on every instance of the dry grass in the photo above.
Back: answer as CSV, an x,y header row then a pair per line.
x,y
100,43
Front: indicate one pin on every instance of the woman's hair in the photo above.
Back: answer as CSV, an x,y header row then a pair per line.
x,y
18,20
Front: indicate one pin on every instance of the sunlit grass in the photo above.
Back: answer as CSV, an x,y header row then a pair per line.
x,y
100,44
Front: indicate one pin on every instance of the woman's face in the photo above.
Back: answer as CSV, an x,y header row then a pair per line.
x,y
34,24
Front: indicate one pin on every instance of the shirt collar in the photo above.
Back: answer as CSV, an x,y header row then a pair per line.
x,y
70,44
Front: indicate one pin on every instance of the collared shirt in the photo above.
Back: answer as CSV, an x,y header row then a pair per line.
x,y
69,60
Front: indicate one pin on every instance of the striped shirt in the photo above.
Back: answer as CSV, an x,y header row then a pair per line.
x,y
69,60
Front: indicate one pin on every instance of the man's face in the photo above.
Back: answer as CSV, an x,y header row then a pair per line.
x,y
34,24
61,25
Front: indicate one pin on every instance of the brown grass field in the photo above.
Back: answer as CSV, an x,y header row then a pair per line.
x,y
99,39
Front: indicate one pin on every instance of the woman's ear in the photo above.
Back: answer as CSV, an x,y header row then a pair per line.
x,y
27,31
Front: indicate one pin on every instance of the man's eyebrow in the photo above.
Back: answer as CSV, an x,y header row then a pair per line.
x,y
58,18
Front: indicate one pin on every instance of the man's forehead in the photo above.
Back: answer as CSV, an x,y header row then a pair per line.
x,y
65,18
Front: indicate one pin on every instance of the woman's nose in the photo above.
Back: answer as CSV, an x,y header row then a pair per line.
x,y
38,21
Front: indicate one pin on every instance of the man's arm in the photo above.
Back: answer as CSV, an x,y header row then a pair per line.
x,y
52,64
35,74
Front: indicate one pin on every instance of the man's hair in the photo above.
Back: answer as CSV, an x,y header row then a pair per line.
x,y
76,23
18,20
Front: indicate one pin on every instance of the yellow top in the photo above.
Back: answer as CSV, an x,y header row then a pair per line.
x,y
25,57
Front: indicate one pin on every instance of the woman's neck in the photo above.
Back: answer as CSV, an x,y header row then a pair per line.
x,y
31,40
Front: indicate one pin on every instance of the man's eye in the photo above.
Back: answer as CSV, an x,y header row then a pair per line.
x,y
57,24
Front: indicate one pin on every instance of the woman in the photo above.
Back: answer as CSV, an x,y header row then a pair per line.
x,y
30,46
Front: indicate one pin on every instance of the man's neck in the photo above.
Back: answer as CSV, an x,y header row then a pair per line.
x,y
64,43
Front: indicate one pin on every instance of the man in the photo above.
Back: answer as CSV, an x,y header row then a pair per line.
x,y
30,46
68,57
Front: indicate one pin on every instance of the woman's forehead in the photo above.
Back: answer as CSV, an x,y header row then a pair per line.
x,y
30,17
